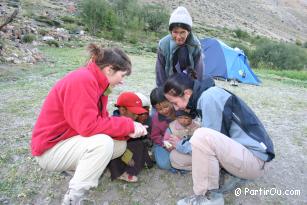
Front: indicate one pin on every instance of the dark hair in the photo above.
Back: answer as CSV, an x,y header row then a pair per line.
x,y
157,96
114,57
181,25
177,84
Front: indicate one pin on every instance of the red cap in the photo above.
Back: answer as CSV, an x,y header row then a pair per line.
x,y
132,102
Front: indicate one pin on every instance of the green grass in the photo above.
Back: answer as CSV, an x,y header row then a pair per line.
x,y
293,77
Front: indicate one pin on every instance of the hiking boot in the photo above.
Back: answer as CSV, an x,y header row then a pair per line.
x,y
211,198
229,182
73,198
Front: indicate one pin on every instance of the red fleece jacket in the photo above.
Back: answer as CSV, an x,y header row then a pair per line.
x,y
76,106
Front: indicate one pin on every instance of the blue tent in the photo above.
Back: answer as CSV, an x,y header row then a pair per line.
x,y
225,62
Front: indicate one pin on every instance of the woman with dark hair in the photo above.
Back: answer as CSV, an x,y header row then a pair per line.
x,y
74,130
231,137
179,51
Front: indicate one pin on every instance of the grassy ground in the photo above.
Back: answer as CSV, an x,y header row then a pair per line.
x,y
279,103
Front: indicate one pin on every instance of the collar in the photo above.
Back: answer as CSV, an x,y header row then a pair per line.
x,y
102,80
198,88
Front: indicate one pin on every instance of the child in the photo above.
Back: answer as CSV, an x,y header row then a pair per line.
x,y
160,121
177,137
128,166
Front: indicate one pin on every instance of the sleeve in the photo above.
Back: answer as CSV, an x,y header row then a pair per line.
x,y
184,146
167,134
156,135
81,112
160,69
199,65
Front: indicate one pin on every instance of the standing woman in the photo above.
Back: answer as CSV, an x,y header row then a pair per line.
x,y
231,137
74,130
179,51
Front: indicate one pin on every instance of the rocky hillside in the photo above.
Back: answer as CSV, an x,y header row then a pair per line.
x,y
279,19
52,22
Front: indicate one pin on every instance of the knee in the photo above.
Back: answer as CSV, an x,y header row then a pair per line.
x,y
202,136
102,144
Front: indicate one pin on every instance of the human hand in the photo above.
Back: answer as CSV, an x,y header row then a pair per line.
x,y
168,146
131,163
139,130
173,140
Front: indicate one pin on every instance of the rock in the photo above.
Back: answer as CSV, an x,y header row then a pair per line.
x,y
47,38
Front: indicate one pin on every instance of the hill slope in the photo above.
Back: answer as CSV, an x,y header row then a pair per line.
x,y
281,19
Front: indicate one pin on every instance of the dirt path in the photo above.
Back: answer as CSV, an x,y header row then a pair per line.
x,y
281,107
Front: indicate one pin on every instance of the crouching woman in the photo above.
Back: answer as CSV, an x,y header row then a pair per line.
x,y
74,130
231,137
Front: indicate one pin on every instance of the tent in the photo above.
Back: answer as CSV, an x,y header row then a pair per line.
x,y
222,61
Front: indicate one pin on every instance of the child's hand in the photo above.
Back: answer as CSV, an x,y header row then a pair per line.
x,y
131,163
173,140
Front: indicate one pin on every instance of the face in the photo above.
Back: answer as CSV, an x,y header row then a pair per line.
x,y
179,35
114,77
179,102
142,118
184,120
165,108
125,112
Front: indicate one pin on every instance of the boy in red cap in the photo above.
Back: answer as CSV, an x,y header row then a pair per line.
x,y
128,166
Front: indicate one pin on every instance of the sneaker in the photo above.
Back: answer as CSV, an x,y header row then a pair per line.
x,y
128,178
229,182
71,199
213,198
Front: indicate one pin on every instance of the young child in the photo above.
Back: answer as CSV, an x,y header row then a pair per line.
x,y
176,139
128,166
164,114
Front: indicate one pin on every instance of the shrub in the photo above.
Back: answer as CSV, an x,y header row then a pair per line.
x,y
53,43
97,15
68,19
28,38
241,34
279,55
46,20
155,17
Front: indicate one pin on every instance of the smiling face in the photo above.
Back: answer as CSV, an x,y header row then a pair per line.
x,y
179,35
179,102
165,108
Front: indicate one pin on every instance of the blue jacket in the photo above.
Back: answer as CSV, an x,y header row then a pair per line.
x,y
224,112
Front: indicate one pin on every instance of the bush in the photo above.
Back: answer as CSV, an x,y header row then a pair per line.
x,y
279,55
48,21
53,43
155,18
241,34
28,38
68,19
97,15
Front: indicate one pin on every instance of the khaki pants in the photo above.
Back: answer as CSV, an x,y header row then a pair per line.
x,y
210,149
88,156
180,160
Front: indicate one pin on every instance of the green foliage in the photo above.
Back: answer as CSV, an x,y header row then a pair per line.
x,y
97,15
123,20
241,34
305,45
155,17
279,55
28,38
68,19
46,20
53,43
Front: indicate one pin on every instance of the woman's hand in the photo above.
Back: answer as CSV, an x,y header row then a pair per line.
x,y
139,130
173,140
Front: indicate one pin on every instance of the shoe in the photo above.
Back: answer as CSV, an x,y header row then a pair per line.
x,y
229,182
128,178
72,199
213,198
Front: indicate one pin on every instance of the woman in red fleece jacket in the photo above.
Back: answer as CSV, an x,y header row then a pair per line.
x,y
74,130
